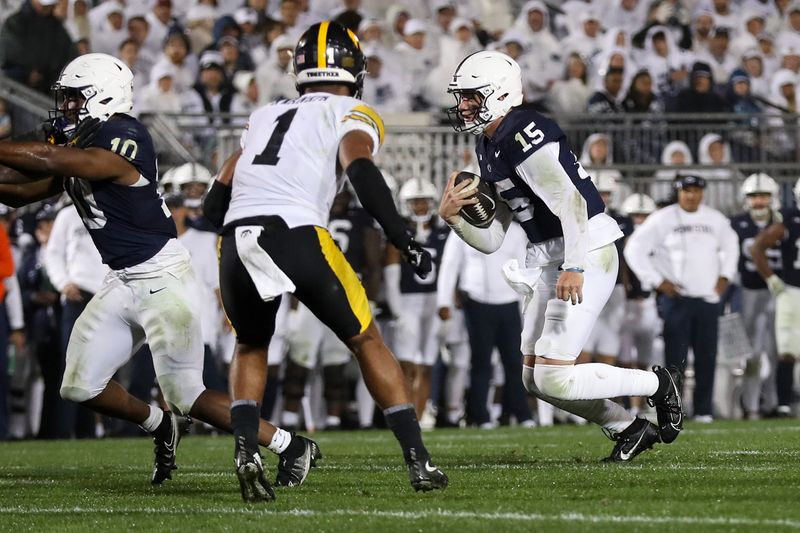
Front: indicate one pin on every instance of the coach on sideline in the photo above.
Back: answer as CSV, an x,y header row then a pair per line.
x,y
688,253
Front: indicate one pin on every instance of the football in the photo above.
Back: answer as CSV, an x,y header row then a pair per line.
x,y
481,214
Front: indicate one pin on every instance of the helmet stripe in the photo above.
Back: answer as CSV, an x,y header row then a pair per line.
x,y
322,44
353,37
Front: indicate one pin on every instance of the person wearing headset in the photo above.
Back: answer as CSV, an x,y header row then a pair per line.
x,y
688,252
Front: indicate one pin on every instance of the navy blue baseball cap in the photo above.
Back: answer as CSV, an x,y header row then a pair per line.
x,y
689,180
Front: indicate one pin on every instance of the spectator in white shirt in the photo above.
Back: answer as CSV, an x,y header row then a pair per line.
x,y
688,252
110,35
493,316
273,77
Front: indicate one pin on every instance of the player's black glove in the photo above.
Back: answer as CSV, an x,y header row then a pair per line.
x,y
418,257
85,133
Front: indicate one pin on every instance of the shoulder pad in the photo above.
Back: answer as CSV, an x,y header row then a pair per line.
x,y
525,132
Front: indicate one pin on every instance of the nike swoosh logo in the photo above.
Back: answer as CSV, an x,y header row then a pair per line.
x,y
625,456
497,153
430,468
157,290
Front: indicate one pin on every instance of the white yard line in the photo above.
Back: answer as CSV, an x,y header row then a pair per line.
x,y
418,515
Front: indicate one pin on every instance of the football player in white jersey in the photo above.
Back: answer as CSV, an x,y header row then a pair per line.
x,y
283,182
541,184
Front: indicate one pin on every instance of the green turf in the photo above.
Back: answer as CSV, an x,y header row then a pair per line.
x,y
721,477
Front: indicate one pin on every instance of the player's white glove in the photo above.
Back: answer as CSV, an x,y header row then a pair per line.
x,y
775,285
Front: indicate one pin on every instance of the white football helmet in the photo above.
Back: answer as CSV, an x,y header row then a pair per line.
x,y
606,181
103,82
190,173
416,189
760,183
638,204
497,80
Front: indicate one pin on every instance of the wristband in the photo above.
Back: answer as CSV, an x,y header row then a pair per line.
x,y
573,269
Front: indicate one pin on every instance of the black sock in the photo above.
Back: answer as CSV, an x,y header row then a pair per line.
x,y
164,429
402,420
296,447
244,419
785,381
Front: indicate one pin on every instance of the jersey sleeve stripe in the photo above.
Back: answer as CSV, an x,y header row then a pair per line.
x,y
375,118
322,45
356,296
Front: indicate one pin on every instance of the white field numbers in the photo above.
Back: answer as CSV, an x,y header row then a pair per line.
x,y
535,135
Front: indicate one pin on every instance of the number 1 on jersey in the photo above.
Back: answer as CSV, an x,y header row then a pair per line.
x,y
270,154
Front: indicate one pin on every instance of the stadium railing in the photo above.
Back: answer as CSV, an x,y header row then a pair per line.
x,y
758,143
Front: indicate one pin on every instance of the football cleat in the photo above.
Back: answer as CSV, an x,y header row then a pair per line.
x,y
425,476
669,408
292,471
253,484
165,450
633,440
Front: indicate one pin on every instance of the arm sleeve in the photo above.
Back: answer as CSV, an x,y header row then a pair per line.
x,y
544,174
729,246
449,269
486,240
391,278
16,318
55,253
638,254
376,198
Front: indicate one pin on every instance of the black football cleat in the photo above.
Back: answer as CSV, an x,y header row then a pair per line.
x,y
425,476
253,484
292,471
165,450
633,440
668,404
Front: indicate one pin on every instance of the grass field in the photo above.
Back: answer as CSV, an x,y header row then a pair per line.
x,y
729,476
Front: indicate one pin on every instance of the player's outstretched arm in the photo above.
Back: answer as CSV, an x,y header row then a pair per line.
x,y
17,195
355,157
766,239
218,197
35,159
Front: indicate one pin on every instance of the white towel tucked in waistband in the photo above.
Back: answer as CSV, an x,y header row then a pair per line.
x,y
270,281
522,280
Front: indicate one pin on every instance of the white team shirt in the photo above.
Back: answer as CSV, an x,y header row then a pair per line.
x,y
289,157
202,246
691,250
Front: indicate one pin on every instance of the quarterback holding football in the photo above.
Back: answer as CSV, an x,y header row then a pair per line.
x,y
571,261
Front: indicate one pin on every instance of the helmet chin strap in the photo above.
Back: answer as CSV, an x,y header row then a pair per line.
x,y
759,212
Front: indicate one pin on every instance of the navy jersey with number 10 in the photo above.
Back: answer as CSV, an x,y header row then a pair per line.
x,y
129,224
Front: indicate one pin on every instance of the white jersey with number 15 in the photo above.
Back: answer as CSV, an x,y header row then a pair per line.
x,y
289,157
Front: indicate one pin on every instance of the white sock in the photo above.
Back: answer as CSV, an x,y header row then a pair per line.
x,y
290,418
593,381
604,413
280,441
153,420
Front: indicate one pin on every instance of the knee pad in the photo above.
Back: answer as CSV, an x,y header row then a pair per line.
x,y
76,394
555,380
335,383
294,381
529,383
